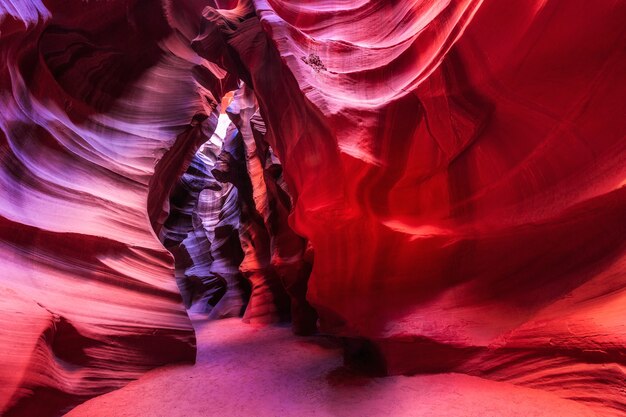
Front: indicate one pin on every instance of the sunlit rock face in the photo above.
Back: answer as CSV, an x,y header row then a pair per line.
x,y
228,227
457,167
184,234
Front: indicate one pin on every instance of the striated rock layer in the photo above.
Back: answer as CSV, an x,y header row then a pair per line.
x,y
88,297
228,228
274,260
458,168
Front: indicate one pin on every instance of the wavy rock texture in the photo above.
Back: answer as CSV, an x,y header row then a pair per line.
x,y
184,236
88,296
458,168
224,234
273,260
218,215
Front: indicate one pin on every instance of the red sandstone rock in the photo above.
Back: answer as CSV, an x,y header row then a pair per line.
x,y
458,168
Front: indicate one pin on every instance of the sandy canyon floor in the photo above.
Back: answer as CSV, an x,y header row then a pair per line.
x,y
243,370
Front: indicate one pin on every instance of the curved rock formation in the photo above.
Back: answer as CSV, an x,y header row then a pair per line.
x,y
273,258
239,229
184,236
458,168
88,299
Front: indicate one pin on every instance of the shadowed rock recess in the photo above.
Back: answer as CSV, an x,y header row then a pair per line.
x,y
437,186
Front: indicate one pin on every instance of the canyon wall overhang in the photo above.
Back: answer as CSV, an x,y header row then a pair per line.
x,y
90,98
458,168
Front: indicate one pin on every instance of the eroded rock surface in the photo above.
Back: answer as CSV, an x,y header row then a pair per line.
x,y
457,167
459,170
88,297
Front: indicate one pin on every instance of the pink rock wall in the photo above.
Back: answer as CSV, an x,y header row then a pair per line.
x,y
458,168
88,297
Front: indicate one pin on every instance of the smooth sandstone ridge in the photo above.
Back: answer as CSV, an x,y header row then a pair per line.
x,y
88,297
457,168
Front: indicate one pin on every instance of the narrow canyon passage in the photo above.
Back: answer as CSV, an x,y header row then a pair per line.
x,y
296,207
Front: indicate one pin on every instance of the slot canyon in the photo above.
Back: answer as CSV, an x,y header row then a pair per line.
x,y
313,208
